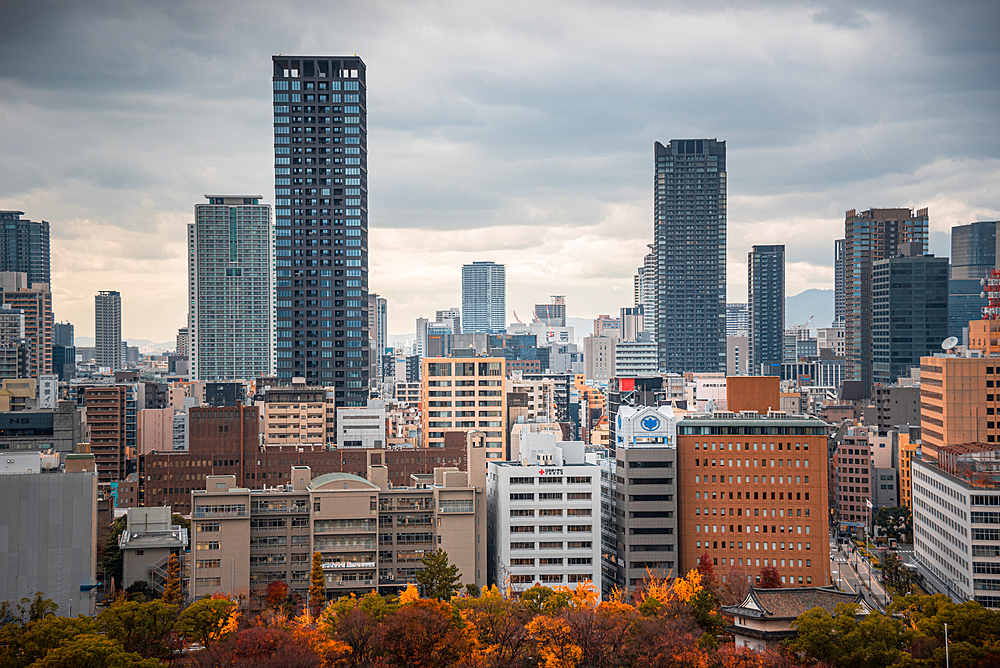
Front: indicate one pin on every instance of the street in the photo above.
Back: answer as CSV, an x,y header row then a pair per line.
x,y
851,573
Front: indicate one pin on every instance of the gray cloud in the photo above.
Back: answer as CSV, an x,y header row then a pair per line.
x,y
512,131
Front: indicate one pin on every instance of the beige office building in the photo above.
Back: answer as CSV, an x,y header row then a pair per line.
x,y
370,534
958,401
464,394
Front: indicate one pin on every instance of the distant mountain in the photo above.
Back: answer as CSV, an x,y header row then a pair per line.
x,y
145,344
817,303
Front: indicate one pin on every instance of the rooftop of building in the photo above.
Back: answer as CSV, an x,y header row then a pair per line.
x,y
975,464
328,478
789,603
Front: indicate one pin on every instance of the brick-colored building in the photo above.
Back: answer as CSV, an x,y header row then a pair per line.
x,y
753,393
745,469
106,419
225,441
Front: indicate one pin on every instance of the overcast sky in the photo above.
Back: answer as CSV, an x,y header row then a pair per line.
x,y
518,132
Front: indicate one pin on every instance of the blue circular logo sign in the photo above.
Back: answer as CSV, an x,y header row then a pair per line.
x,y
650,423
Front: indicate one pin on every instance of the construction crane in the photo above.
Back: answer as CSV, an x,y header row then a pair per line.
x,y
518,319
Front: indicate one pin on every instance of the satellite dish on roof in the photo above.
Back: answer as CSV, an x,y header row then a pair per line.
x,y
949,343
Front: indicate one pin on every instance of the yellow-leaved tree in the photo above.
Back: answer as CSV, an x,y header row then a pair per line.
x,y
554,642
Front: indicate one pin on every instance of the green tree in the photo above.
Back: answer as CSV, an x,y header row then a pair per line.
x,y
317,584
816,639
896,522
112,560
93,651
143,628
172,588
22,644
37,608
140,591
205,620
438,579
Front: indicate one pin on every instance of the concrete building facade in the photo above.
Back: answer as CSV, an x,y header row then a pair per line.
x,y
463,394
108,350
484,298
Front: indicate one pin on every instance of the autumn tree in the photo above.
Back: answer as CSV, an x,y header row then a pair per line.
x,y
276,594
554,642
769,578
257,647
354,622
423,635
735,586
438,579
207,620
172,587
707,570
317,585
143,628
499,625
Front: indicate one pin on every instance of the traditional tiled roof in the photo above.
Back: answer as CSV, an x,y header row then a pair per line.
x,y
789,603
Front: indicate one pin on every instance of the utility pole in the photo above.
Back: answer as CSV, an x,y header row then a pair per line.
x,y
947,655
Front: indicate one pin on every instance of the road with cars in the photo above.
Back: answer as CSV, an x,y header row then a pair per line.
x,y
853,573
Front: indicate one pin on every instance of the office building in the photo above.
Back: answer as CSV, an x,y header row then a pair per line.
x,y
958,402
553,313
793,496
62,334
105,408
766,305
108,350
230,290
599,357
150,537
24,247
870,236
362,427
839,269
831,339
965,303
909,313
35,303
973,250
321,223
737,319
691,255
633,323
465,394
955,542
645,288
63,351
851,480
49,523
484,298
60,429
370,535
639,510
543,516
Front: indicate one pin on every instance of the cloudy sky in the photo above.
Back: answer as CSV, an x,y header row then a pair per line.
x,y
519,132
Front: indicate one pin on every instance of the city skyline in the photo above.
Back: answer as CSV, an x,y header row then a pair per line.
x,y
566,216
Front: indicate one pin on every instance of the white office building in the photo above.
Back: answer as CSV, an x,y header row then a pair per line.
x,y
636,358
362,427
956,522
543,515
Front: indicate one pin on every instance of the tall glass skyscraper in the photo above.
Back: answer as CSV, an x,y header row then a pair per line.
x,y
484,298
690,227
230,290
766,308
24,246
321,223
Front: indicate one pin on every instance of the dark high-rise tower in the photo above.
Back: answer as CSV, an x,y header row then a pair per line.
x,y
108,330
766,305
321,223
973,250
839,268
690,226
24,246
870,236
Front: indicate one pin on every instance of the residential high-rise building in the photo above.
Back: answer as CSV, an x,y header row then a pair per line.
x,y
321,223
690,226
909,313
838,281
182,344
605,325
973,250
553,313
645,288
737,319
229,289
484,298
108,330
766,305
870,236
35,303
377,322
24,246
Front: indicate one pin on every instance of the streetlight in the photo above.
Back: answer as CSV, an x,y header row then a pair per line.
x,y
947,655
